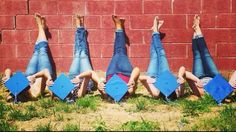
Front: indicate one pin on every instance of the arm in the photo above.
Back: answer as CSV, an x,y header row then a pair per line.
x,y
181,74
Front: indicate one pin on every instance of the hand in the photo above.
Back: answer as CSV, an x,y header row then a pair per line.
x,y
76,80
180,80
101,86
199,84
49,82
233,83
151,80
5,78
31,79
131,84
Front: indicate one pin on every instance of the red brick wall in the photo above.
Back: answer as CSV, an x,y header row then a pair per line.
x,y
18,30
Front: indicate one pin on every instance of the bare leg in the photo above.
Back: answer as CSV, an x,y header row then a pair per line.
x,y
133,81
232,80
7,75
149,86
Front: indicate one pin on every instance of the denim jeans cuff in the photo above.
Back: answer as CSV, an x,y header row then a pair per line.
x,y
198,36
41,40
119,30
155,33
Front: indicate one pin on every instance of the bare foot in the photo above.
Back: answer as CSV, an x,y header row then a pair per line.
x,y
79,21
118,22
131,84
196,25
43,21
5,78
157,23
31,79
38,19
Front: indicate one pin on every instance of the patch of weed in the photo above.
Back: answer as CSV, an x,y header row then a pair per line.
x,y
46,103
87,102
140,126
5,126
71,127
224,122
194,108
46,127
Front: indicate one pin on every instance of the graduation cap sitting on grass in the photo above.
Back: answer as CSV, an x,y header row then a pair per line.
x,y
62,86
116,88
17,83
218,88
166,82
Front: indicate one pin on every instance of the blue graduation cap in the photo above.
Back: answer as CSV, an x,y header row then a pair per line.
x,y
116,88
218,88
17,83
166,83
62,86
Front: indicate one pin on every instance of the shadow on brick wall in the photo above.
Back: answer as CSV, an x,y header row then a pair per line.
x,y
54,71
0,37
88,49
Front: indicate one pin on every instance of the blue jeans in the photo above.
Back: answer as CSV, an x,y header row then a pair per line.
x,y
81,62
158,62
120,62
39,59
203,64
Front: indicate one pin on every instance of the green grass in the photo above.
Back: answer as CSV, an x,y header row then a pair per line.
x,y
46,103
100,126
225,121
46,127
140,126
195,108
5,126
143,103
88,103
71,127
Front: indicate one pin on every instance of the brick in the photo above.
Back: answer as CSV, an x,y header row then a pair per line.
x,y
232,33
24,50
7,51
226,21
14,64
7,22
15,36
175,50
140,51
128,7
141,63
59,21
107,51
100,7
146,22
186,6
157,7
226,63
107,22
207,20
218,35
44,7
63,64
25,22
135,36
56,50
100,63
216,6
13,7
95,50
52,36
104,36
234,6
177,36
67,50
92,22
226,50
67,36
175,63
71,7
